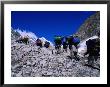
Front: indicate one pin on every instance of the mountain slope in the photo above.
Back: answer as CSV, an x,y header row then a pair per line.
x,y
31,61
32,37
90,27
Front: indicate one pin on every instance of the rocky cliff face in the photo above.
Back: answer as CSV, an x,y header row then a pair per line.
x,y
90,27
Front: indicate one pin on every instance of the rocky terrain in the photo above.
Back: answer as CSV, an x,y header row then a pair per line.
x,y
32,61
28,60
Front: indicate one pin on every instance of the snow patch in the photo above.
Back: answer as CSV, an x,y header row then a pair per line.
x,y
82,46
25,33
32,36
43,39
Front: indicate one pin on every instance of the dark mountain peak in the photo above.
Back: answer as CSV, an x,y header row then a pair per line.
x,y
90,27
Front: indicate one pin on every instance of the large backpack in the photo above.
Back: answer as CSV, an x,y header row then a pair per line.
x,y
70,40
76,40
93,47
38,41
46,44
90,44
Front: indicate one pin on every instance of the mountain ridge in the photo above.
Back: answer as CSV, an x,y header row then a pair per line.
x,y
90,27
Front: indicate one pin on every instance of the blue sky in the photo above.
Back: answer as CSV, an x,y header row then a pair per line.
x,y
49,23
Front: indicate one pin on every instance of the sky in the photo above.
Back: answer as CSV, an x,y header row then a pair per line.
x,y
49,23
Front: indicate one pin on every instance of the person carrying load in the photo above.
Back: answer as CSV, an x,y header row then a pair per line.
x,y
65,43
58,43
39,42
47,44
73,42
